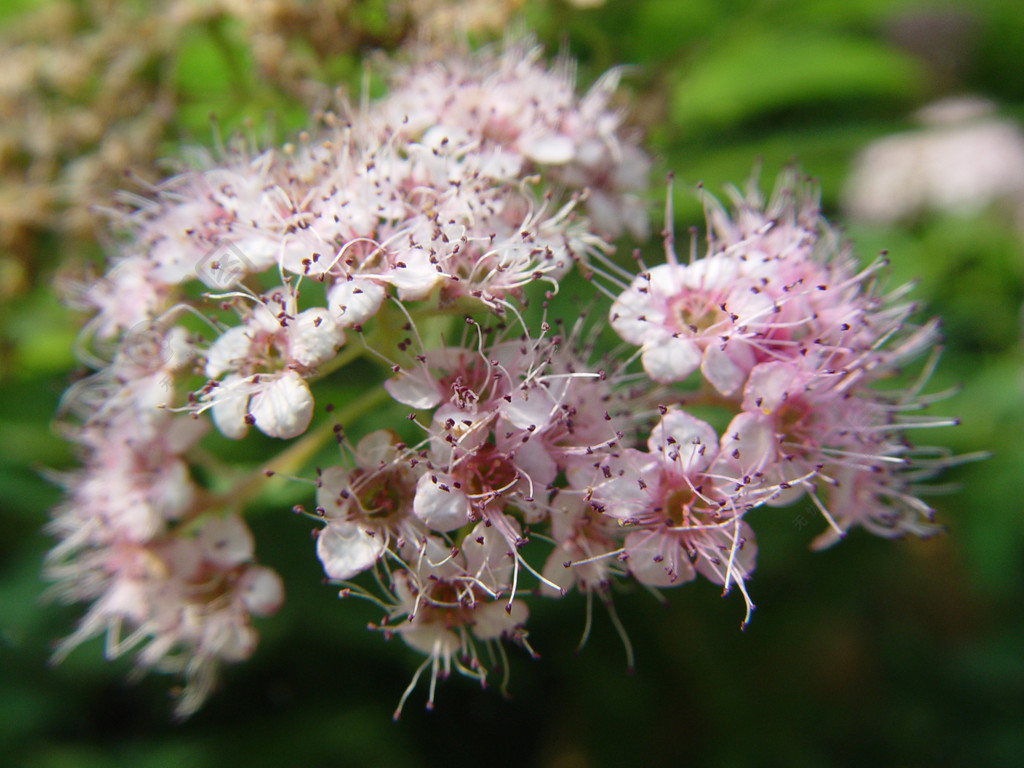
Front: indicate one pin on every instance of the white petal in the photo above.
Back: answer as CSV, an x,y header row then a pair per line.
x,y
556,572
743,554
619,490
415,388
224,635
632,315
488,555
413,275
748,443
673,359
332,481
499,164
726,368
229,351
440,509
184,432
260,249
714,272
657,560
552,149
532,407
353,302
172,490
230,407
266,316
284,407
431,639
182,557
225,541
533,461
445,138
313,337
178,348
786,472
261,589
493,620
345,549
689,443
768,387
376,448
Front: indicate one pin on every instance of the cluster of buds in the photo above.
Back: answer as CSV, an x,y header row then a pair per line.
x,y
472,184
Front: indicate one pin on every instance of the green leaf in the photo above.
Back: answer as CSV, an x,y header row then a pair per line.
x,y
750,77
665,26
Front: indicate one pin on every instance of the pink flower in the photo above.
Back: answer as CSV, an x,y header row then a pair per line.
x,y
683,501
531,117
586,542
703,315
182,602
366,509
450,599
266,359
259,273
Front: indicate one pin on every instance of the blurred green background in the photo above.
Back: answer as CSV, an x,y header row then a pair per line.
x,y
902,653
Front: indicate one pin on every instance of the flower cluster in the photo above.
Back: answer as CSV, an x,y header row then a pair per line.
x,y
473,184
176,587
789,332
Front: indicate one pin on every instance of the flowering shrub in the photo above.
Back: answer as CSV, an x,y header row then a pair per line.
x,y
411,233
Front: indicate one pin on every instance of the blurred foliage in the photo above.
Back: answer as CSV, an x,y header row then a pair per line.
x,y
902,654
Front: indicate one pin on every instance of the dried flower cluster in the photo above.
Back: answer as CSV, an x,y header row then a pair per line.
x,y
410,233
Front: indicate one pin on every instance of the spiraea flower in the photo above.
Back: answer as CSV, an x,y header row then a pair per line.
x,y
449,600
682,502
257,369
963,157
368,508
527,118
511,453
792,335
175,586
240,281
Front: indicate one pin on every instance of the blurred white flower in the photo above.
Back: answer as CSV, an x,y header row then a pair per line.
x,y
963,159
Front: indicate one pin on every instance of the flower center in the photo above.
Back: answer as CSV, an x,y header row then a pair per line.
x,y
793,420
467,382
489,472
382,495
696,314
677,506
